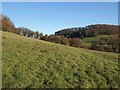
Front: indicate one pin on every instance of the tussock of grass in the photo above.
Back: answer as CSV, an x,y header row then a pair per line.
x,y
30,63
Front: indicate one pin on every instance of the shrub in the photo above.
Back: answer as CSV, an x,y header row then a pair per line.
x,y
54,38
65,41
76,42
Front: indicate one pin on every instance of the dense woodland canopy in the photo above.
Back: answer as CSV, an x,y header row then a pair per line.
x,y
71,36
89,31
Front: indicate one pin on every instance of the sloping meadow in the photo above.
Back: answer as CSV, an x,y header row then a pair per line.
x,y
30,63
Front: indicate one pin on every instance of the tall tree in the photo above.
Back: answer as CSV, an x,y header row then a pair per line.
x,y
37,35
41,35
7,24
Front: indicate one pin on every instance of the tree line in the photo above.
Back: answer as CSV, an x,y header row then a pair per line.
x,y
70,36
8,25
89,31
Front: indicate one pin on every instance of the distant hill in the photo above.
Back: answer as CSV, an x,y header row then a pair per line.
x,y
89,31
100,37
31,63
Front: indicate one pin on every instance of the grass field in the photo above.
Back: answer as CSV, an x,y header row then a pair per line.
x,y
92,39
30,63
88,40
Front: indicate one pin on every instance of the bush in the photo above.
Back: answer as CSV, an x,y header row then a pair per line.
x,y
54,38
75,42
65,41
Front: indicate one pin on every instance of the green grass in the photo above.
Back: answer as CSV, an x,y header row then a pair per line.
x,y
88,40
30,63
91,39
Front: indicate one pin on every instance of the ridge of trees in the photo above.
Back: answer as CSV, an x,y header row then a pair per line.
x,y
89,31
70,36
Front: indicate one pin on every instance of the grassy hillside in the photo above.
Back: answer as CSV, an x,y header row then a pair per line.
x,y
88,40
33,63
92,39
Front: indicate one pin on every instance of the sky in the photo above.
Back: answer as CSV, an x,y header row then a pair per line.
x,y
49,17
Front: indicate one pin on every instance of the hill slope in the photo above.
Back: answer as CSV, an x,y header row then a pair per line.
x,y
87,41
33,63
